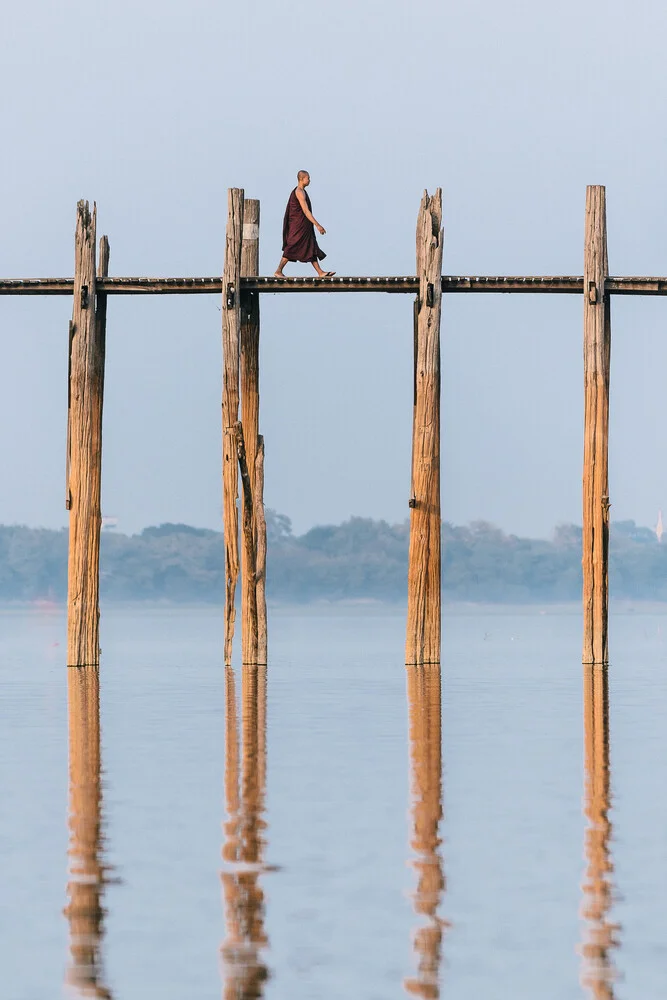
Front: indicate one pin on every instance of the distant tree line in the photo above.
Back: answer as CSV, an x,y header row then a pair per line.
x,y
359,559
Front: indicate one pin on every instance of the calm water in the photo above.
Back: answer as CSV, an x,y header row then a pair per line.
x,y
336,827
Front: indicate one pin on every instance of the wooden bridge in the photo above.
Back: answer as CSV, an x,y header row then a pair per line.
x,y
243,447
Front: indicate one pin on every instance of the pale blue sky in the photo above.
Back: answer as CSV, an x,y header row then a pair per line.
x,y
155,109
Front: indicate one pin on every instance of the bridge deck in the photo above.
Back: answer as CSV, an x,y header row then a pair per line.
x,y
563,285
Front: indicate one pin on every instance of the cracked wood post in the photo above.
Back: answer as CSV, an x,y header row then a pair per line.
x,y
86,387
260,556
597,353
249,573
231,322
249,390
424,599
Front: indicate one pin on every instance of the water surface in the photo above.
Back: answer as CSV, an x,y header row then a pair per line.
x,y
336,825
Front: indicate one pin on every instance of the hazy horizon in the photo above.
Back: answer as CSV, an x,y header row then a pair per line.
x,y
510,110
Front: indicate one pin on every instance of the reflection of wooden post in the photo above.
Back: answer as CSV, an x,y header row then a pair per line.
x,y
244,969
423,623
597,353
231,322
86,386
598,972
426,759
84,911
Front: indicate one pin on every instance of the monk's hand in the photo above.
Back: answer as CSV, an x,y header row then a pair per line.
x,y
321,230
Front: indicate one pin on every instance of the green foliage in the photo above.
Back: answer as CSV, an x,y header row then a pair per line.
x,y
359,559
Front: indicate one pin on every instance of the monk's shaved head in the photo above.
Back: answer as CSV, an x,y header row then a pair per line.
x,y
301,176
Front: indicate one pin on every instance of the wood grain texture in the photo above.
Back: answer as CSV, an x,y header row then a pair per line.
x,y
86,388
249,368
408,285
249,578
231,323
424,599
260,556
597,356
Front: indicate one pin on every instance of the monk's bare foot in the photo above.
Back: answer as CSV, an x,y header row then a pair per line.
x,y
279,274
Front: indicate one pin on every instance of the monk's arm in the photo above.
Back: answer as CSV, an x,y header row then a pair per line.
x,y
309,215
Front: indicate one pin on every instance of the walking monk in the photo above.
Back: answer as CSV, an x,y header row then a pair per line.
x,y
299,226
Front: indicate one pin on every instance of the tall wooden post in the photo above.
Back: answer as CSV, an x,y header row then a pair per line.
x,y
597,353
424,600
260,556
251,608
84,434
231,323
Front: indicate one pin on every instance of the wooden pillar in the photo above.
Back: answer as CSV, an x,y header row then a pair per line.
x,y
424,600
252,605
231,322
84,434
260,557
597,352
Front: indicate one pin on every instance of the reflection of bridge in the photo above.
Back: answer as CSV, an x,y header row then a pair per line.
x,y
84,910
598,974
426,767
243,850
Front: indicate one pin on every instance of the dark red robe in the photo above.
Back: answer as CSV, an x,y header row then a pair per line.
x,y
299,241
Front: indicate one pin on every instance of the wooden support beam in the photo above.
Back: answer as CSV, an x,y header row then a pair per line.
x,y
250,420
597,353
231,324
424,599
451,284
86,388
260,556
249,576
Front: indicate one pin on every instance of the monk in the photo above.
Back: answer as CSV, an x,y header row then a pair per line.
x,y
299,227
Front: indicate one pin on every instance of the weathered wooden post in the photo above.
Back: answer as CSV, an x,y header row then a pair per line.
x,y
84,444
260,556
597,353
424,600
231,323
253,606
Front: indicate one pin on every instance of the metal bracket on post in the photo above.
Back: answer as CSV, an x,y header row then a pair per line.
x,y
231,295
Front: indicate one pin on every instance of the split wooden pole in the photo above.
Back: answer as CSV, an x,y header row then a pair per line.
x,y
424,600
231,336
253,564
84,445
597,355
